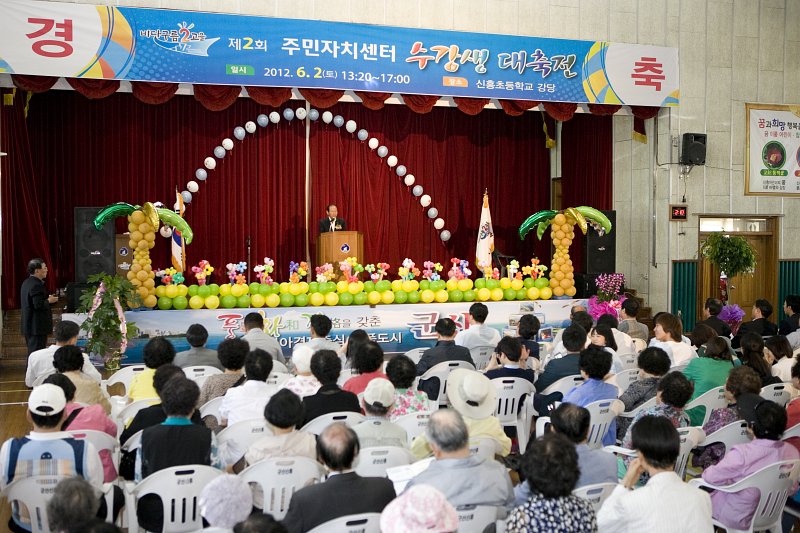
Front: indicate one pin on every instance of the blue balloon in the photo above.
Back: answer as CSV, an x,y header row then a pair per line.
x,y
313,114
383,151
362,135
239,132
219,152
187,197
288,114
263,120
338,121
433,212
400,170
417,190
444,235
201,174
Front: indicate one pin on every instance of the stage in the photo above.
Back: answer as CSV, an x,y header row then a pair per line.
x,y
397,328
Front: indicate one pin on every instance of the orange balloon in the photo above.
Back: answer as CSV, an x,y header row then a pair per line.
x,y
559,219
571,291
566,283
558,275
558,291
553,283
559,234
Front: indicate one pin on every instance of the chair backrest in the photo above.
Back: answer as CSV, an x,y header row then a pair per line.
x,y
690,438
713,399
475,518
236,438
101,441
355,523
279,367
483,447
780,393
34,492
635,411
730,435
317,425
373,461
625,378
679,368
344,375
416,354
629,361
792,432
199,371
133,442
124,375
414,423
441,371
602,413
511,396
639,344
280,478
481,355
564,385
595,494
179,488
130,410
277,379
211,408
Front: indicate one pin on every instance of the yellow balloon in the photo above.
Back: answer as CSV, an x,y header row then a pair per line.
x,y
316,299
150,301
374,297
533,293
441,296
408,286
295,289
145,227
137,217
558,291
196,302
131,275
545,293
160,290
136,236
141,275
150,236
149,283
427,296
553,283
571,291
505,283
387,297
136,267
484,294
257,300
143,292
273,300
332,298
341,287
397,285
516,284
212,302
451,285
171,291
183,290
132,244
414,285
464,284
565,284
238,290
497,294
353,288
225,289
303,287
132,227
136,282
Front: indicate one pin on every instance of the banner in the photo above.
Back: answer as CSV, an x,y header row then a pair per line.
x,y
85,41
485,244
773,150
397,328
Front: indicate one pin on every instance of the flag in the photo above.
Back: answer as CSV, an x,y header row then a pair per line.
x,y
485,245
178,246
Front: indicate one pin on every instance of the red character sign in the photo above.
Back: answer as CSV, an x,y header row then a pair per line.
x,y
59,47
648,71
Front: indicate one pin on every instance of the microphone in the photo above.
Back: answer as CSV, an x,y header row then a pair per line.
x,y
247,241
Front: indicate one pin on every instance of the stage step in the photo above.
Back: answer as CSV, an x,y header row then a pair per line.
x,y
14,350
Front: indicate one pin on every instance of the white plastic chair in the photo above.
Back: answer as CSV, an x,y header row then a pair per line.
x,y
564,385
373,461
416,354
277,379
595,494
639,344
602,414
211,408
133,443
414,423
199,371
679,367
441,371
318,425
280,478
481,355
635,411
792,432
483,447
179,488
691,438
355,523
130,411
629,361
101,441
624,379
513,407
713,399
234,440
124,375
344,375
279,367
773,483
475,518
780,393
34,492
730,435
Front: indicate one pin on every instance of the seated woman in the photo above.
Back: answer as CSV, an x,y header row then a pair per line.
x,y
231,354
668,332
527,329
708,372
68,360
700,335
672,395
735,510
653,365
753,356
402,371
368,362
158,351
778,352
348,351
602,336
303,383
551,468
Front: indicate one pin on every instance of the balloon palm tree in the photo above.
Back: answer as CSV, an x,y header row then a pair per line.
x,y
562,232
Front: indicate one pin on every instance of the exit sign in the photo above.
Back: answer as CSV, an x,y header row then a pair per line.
x,y
678,212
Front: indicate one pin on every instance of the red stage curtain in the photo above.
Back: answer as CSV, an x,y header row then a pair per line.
x,y
373,101
23,234
153,92
216,97
454,157
561,111
603,109
586,169
92,88
470,106
321,98
271,96
420,103
34,84
515,108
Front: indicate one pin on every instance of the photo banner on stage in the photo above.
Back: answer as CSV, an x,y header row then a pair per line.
x,y
85,41
397,328
773,150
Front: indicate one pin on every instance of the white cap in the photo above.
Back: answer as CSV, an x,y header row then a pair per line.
x,y
46,400
379,392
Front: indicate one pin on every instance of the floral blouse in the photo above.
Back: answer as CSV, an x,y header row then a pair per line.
x,y
408,401
567,514
678,417
705,456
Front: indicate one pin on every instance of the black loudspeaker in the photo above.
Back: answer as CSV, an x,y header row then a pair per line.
x,y
693,149
74,291
600,251
94,249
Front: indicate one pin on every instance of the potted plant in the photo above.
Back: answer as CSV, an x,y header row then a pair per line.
x,y
107,330
731,254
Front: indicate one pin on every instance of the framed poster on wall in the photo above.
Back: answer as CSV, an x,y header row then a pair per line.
x,y
773,150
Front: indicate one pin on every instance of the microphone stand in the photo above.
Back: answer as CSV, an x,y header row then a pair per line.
x,y
247,242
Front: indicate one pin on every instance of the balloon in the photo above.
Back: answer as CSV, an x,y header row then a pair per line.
x,y
492,284
374,297
187,197
427,296
397,285
274,117
373,143
263,120
165,231
534,220
433,212
438,223
316,299
212,302
174,219
400,171
445,236
219,152
338,121
288,114
243,301
425,200
204,291
300,114
331,298
192,291
387,297
201,174
360,298
350,127
196,302
210,163
301,300
345,298
120,209
180,303
239,132
327,117
250,126
287,300
417,190
441,296
192,186
382,151
227,143
257,300
409,180
313,114
362,135
391,161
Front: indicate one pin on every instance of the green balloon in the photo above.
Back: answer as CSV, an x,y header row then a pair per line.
x,y
456,296
214,289
469,296
264,289
522,294
413,297
287,300
345,298
331,286
228,301
424,285
492,284
301,300
323,288
480,283
541,283
400,297
193,290
437,285
180,303
509,294
165,303
204,291
383,285
360,298
243,301
313,287
528,283
254,287
275,288
369,286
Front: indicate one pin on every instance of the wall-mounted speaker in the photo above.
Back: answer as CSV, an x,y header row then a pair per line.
x,y
600,252
94,249
693,149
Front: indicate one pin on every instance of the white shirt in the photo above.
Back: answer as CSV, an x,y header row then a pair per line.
x,y
245,402
477,335
40,365
783,368
256,338
665,505
624,342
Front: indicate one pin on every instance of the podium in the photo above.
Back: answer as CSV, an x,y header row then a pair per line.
x,y
336,246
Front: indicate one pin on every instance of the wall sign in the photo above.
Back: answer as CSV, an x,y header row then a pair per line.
x,y
773,150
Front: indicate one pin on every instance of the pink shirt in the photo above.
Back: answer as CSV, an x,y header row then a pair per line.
x,y
93,417
357,384
302,385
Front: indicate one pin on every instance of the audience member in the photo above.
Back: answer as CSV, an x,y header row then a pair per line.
x,y
74,503
602,337
419,508
700,336
673,393
377,430
344,492
527,332
226,501
40,362
259,523
508,361
303,383
248,399
793,408
444,350
368,363
319,326
629,324
68,360
354,341
669,334
779,354
477,333
653,364
231,354
711,309
257,338
550,467
464,479
198,354
579,317
595,363
326,367
574,340
791,308
752,355
623,341
767,422
96,525
158,351
759,323
401,371
665,503
284,413
708,372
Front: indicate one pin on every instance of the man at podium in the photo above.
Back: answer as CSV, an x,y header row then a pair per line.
x,y
332,222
